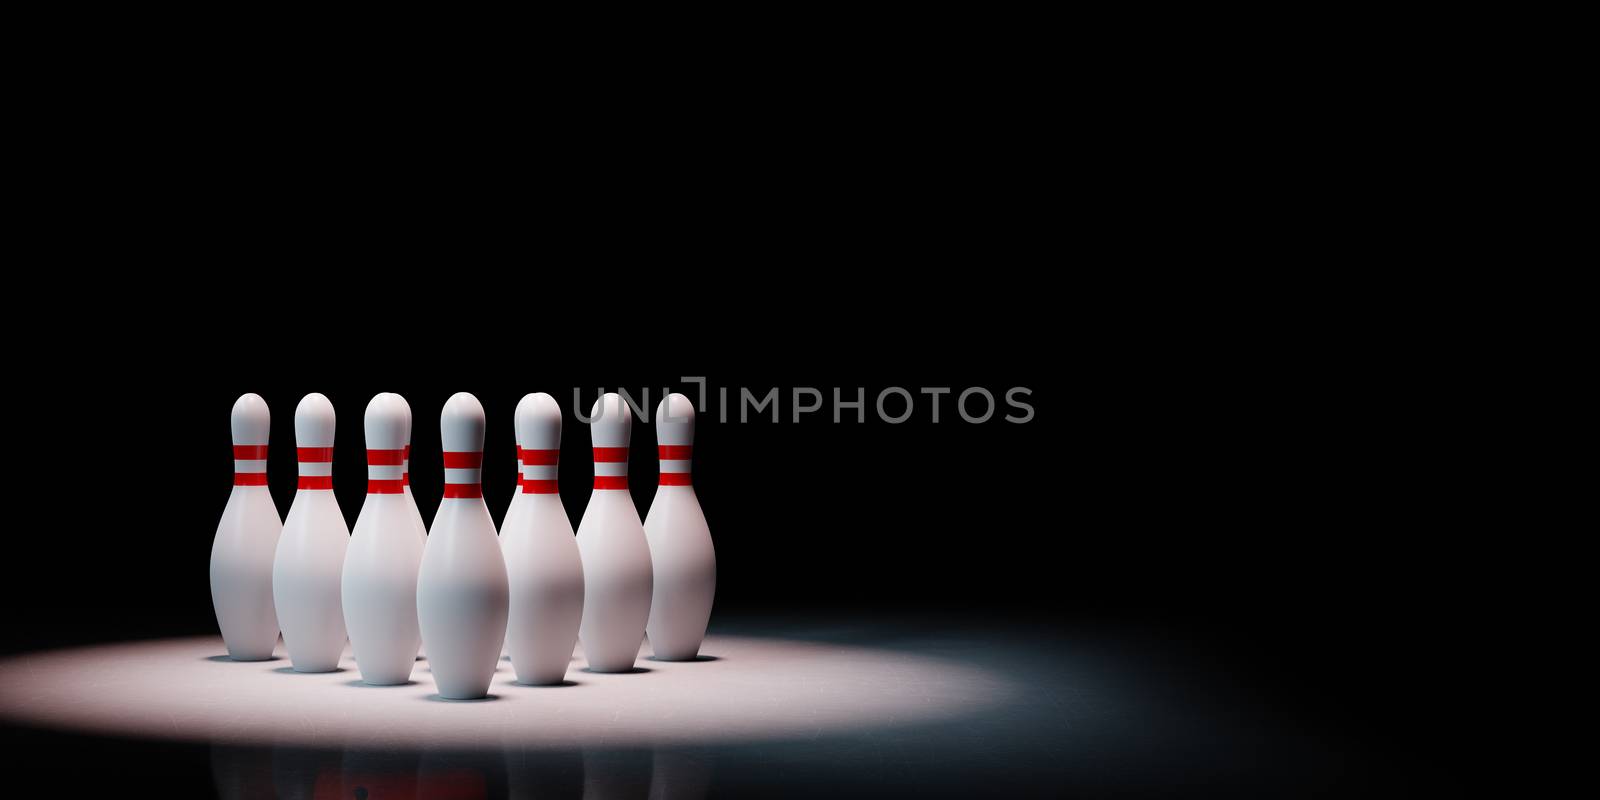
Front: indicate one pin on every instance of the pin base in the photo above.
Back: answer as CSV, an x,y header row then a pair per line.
x,y
693,655
557,681
615,670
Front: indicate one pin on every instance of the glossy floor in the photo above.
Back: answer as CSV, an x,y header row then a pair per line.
x,y
861,708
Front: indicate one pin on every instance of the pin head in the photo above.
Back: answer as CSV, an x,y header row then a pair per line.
x,y
611,421
675,420
313,421
539,422
385,422
409,418
461,424
251,421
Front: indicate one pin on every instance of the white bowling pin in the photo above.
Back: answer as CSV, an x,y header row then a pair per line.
x,y
310,563
462,594
405,488
511,514
616,557
505,521
542,561
682,560
405,478
516,494
380,571
246,540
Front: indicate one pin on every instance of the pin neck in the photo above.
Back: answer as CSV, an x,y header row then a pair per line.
x,y
611,468
537,474
316,467
463,474
249,465
385,471
675,463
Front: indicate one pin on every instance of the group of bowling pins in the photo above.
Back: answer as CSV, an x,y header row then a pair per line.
x,y
458,591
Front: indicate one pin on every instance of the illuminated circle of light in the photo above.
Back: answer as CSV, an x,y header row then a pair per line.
x,y
751,689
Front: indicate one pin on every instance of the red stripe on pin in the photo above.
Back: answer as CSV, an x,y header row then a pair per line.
x,y
249,479
610,481
405,480
674,452
249,452
385,458
675,479
308,455
375,486
463,460
539,487
609,454
315,482
463,490
541,458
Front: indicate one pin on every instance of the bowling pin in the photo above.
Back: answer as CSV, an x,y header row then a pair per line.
x,y
405,487
246,541
682,560
462,593
379,584
611,541
505,521
516,494
542,562
310,563
405,478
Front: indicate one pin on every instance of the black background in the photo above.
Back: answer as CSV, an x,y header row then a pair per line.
x,y
1235,461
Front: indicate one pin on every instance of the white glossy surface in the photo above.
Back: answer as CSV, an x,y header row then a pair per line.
x,y
462,594
242,550
416,511
682,560
308,567
379,583
411,500
542,562
616,556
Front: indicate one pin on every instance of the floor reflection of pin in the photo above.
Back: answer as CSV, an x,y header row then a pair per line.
x,y
678,774
365,773
241,772
461,775
279,772
304,773
535,773
616,774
